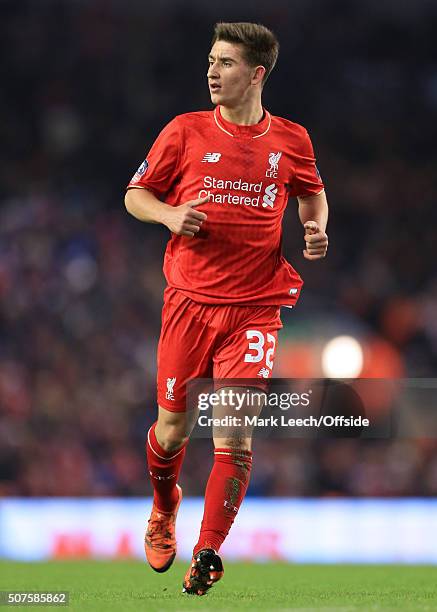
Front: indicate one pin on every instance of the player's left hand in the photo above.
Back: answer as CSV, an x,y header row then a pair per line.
x,y
316,241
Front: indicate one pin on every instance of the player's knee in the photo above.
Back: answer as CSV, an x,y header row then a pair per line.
x,y
233,441
171,430
173,438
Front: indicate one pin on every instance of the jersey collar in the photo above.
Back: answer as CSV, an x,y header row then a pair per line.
x,y
232,129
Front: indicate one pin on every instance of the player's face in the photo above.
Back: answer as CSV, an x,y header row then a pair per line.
x,y
230,78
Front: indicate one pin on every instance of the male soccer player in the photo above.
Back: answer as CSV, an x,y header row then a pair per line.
x,y
220,181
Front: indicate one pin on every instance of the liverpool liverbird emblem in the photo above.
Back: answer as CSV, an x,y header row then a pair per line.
x,y
170,384
274,160
274,163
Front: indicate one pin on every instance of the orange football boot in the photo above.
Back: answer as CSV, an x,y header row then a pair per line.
x,y
160,538
206,568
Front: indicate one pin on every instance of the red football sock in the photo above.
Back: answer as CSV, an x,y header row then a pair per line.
x,y
226,488
164,468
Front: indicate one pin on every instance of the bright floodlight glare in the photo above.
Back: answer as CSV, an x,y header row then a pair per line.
x,y
342,357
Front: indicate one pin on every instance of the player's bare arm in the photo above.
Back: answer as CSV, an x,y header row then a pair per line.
x,y
183,220
313,213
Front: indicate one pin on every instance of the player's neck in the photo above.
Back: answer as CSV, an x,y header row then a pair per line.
x,y
246,114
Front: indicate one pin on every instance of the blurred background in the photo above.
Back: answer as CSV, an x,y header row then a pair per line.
x,y
86,88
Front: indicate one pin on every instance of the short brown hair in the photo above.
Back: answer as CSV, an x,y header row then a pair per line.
x,y
261,47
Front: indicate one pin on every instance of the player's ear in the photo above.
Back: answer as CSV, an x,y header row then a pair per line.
x,y
258,75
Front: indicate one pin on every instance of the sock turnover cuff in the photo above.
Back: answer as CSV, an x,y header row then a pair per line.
x,y
233,453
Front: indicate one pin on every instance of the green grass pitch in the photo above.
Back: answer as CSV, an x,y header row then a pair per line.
x,y
132,585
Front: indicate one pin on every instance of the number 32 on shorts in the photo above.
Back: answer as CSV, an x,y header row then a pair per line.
x,y
258,347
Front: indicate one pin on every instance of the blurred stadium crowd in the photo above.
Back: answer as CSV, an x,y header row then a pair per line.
x,y
86,88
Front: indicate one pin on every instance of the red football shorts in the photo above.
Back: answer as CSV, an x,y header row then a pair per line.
x,y
209,341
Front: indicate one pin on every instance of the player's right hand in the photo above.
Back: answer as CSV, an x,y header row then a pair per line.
x,y
185,220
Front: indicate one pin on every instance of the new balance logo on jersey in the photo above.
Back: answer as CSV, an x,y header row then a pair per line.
x,y
270,196
212,158
264,373
170,384
274,158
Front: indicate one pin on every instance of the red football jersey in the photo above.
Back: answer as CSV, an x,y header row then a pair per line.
x,y
249,172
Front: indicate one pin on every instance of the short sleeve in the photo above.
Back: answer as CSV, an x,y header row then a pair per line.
x,y
306,180
159,171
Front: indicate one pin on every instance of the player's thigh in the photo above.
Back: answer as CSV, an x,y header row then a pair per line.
x,y
248,351
185,352
236,415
